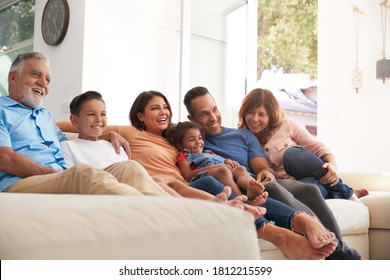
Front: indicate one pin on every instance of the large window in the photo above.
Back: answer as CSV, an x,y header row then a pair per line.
x,y
287,56
16,34
223,51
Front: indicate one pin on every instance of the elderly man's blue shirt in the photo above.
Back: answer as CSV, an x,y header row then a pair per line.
x,y
32,133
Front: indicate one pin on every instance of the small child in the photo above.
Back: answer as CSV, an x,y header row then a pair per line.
x,y
194,163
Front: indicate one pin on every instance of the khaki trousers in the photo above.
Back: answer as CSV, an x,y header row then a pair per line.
x,y
125,178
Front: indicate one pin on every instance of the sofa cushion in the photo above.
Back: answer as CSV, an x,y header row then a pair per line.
x,y
378,202
40,226
352,217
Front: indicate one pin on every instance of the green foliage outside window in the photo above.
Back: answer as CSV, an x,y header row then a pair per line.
x,y
16,35
287,36
17,22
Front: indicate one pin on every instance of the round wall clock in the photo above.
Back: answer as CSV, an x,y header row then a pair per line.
x,y
55,21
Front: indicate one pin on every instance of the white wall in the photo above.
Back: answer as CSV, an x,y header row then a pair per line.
x,y
137,50
66,60
119,48
355,125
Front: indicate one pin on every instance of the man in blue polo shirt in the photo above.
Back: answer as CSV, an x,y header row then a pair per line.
x,y
242,146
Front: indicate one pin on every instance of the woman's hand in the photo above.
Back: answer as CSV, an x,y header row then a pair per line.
x,y
265,176
331,177
118,141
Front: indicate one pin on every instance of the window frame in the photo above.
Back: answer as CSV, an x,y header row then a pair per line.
x,y
7,52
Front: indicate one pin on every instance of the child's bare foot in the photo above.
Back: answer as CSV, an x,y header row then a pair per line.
x,y
238,201
224,195
361,192
315,232
296,246
256,211
255,192
259,199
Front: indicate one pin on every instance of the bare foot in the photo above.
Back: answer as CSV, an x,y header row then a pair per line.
x,y
259,199
315,232
223,196
256,194
361,192
256,211
296,246
238,201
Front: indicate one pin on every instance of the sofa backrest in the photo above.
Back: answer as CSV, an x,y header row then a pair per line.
x,y
72,133
67,127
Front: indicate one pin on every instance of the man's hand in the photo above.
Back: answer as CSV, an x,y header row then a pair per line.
x,y
18,165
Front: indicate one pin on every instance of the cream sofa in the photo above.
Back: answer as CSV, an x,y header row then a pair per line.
x,y
39,226
36,226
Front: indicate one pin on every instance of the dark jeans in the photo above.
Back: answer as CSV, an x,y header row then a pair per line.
x,y
286,197
277,212
308,198
307,167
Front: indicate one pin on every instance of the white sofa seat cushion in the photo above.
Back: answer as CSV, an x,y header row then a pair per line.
x,y
352,217
36,226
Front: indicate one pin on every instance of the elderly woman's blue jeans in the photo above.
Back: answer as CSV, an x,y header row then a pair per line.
x,y
307,167
277,212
